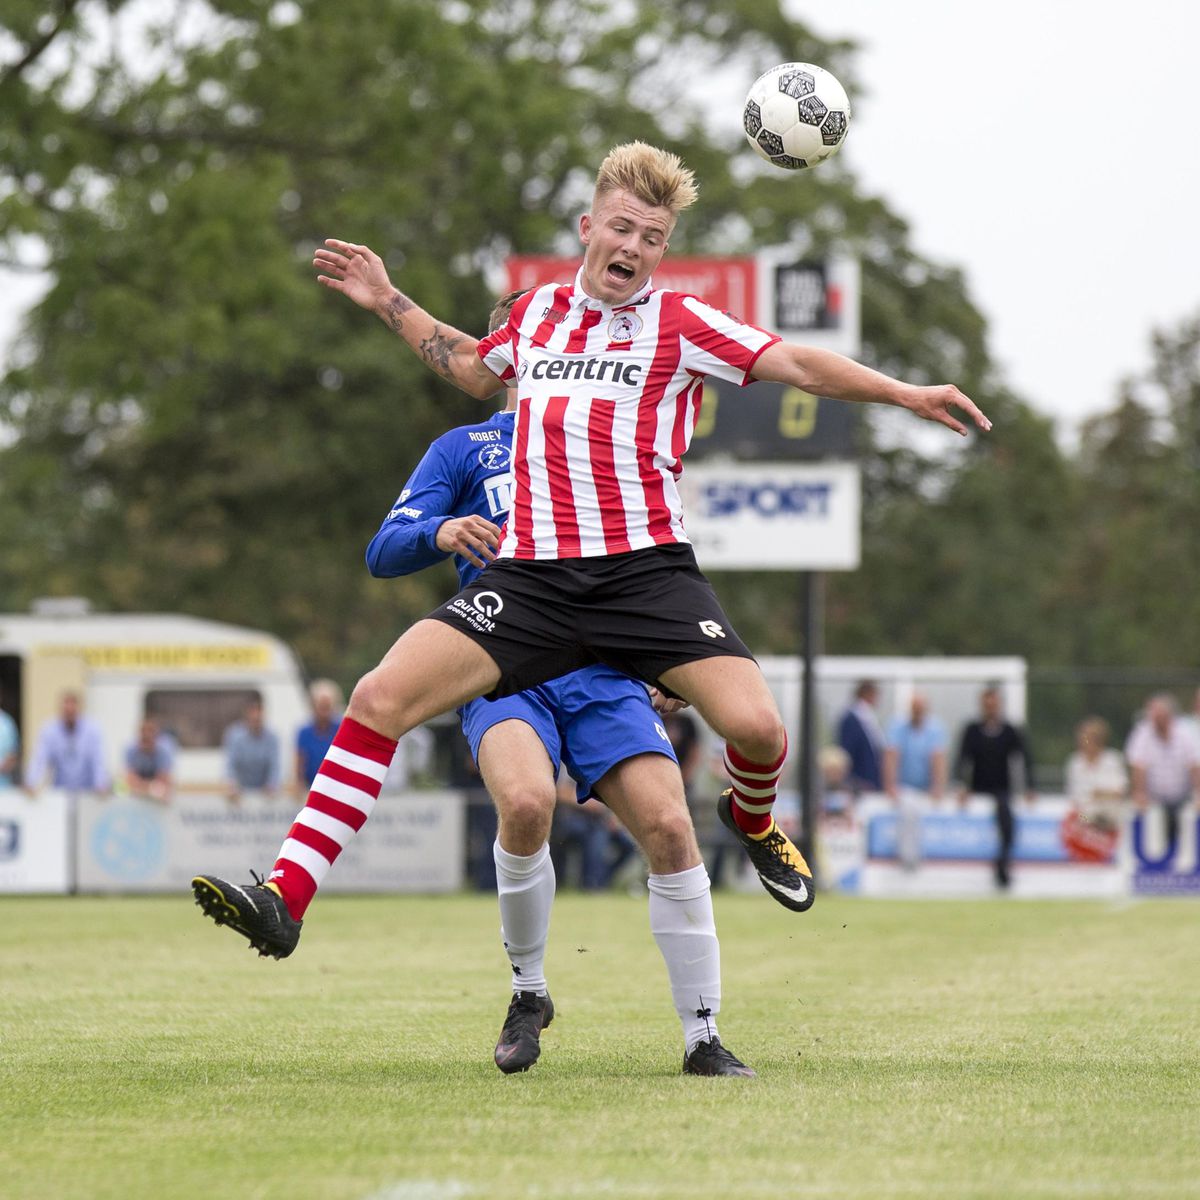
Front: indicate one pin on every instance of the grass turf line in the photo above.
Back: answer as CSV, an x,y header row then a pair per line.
x,y
978,1050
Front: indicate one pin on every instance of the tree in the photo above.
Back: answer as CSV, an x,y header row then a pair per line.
x,y
194,425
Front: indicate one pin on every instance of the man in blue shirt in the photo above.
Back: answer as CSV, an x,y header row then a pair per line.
x,y
914,767
251,755
313,739
69,752
597,721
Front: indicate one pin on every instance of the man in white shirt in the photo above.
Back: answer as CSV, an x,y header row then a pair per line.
x,y
1165,763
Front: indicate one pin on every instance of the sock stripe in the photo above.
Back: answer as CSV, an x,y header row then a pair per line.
x,y
756,809
327,847
314,864
356,762
757,776
330,827
334,808
757,792
354,797
738,762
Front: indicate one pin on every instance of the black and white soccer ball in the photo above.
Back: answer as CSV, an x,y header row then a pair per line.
x,y
796,114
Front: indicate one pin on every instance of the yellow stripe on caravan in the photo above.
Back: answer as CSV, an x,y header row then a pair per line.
x,y
169,656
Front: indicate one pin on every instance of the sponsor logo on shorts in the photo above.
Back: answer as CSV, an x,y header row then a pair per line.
x,y
478,610
711,629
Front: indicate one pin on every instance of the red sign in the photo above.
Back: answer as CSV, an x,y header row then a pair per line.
x,y
725,283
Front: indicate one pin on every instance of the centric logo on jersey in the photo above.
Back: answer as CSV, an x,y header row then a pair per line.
x,y
624,327
495,457
487,603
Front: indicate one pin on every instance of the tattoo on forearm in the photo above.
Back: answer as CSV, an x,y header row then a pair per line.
x,y
438,348
397,306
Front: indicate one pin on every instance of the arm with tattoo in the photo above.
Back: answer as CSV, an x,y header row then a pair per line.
x,y
359,273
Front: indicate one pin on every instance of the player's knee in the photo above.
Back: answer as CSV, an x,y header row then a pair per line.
x,y
525,813
759,734
670,839
375,705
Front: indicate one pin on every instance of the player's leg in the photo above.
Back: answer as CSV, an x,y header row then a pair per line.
x,y
731,694
646,793
430,669
616,747
516,745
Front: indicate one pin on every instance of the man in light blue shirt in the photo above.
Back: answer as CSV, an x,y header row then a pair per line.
x,y
10,749
69,752
914,766
251,755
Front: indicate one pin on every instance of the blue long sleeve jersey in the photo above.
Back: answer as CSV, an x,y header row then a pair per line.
x,y
465,471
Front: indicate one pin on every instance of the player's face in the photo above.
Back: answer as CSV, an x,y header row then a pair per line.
x,y
624,241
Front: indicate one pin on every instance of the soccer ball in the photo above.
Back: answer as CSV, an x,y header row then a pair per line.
x,y
796,115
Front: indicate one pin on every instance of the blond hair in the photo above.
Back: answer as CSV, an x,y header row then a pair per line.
x,y
656,177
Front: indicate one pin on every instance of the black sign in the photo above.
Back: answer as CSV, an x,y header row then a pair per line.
x,y
767,422
804,298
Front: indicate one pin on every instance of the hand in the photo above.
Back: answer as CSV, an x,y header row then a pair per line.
x,y
355,271
472,537
934,404
666,704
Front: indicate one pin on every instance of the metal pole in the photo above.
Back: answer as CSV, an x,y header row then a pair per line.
x,y
808,776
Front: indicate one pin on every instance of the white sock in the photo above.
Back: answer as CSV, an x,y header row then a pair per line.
x,y
681,919
526,890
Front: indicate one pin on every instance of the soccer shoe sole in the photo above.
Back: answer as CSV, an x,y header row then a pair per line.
x,y
214,903
504,1059
796,899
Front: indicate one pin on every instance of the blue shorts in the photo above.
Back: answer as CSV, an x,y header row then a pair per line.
x,y
590,720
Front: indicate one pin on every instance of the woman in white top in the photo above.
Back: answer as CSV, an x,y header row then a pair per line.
x,y
1097,782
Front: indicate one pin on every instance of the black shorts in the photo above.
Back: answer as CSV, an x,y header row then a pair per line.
x,y
641,613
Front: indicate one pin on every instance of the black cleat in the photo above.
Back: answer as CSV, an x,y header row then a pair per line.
x,y
711,1058
781,867
519,1045
255,911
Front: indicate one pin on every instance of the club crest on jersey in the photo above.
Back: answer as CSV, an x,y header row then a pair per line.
x,y
495,457
624,327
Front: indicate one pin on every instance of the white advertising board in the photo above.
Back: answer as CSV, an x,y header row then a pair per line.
x,y
34,842
773,516
413,843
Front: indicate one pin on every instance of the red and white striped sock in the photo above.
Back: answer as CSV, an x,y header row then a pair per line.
x,y
754,787
338,805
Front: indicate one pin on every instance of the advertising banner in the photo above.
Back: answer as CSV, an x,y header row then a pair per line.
x,y
773,516
951,851
1161,868
413,843
35,845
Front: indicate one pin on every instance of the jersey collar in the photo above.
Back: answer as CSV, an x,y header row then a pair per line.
x,y
580,298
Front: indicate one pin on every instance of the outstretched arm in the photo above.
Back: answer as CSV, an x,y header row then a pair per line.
x,y
358,272
824,373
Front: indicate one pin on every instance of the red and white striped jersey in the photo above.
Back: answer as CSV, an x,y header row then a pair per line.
x,y
607,401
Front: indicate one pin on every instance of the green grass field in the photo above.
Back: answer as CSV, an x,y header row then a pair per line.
x,y
986,1049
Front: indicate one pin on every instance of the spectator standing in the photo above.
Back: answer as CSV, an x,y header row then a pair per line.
x,y
69,752
914,766
984,765
251,755
861,736
149,764
1165,763
10,750
315,738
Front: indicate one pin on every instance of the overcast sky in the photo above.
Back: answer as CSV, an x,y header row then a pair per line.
x,y
1049,147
